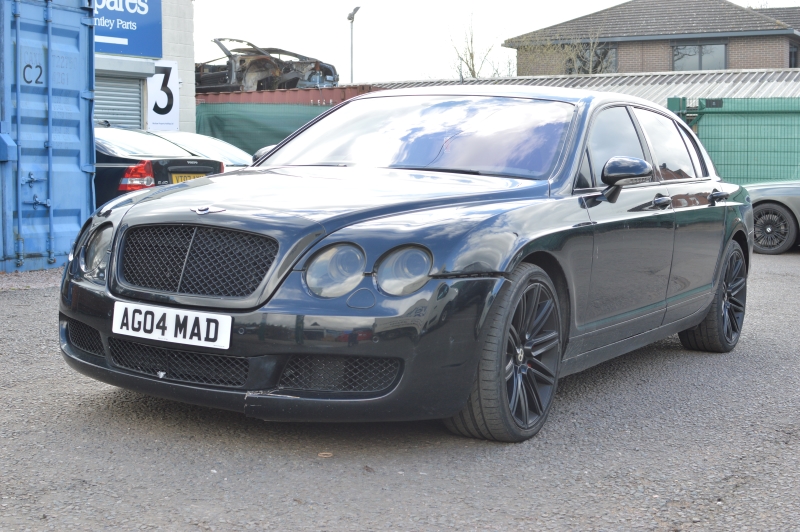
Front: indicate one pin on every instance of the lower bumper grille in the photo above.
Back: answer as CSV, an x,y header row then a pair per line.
x,y
174,365
339,373
84,337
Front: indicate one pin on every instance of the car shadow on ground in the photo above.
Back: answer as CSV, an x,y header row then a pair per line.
x,y
118,409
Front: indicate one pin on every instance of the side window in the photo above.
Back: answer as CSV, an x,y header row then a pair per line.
x,y
584,179
612,135
669,151
699,164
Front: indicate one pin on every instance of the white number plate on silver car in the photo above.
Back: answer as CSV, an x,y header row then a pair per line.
x,y
172,325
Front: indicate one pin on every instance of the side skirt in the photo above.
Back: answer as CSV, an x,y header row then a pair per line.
x,y
603,354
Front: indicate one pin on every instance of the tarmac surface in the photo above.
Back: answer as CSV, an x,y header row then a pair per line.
x,y
661,439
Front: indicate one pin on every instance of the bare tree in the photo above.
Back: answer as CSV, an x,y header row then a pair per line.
x,y
585,54
469,60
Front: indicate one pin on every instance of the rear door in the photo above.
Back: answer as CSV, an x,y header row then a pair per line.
x,y
699,222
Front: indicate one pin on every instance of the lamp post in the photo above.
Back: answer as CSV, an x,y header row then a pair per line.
x,y
352,17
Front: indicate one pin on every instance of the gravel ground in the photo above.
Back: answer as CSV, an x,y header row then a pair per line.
x,y
661,439
31,280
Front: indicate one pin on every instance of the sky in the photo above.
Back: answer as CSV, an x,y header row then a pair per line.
x,y
393,40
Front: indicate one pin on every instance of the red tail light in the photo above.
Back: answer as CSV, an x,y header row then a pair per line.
x,y
221,168
137,177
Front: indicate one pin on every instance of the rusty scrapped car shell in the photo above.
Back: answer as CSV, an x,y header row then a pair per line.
x,y
252,68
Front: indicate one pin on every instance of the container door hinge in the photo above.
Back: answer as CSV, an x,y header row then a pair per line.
x,y
88,168
87,95
37,202
87,21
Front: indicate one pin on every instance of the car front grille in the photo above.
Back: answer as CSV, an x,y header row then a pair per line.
x,y
175,365
84,337
332,373
196,260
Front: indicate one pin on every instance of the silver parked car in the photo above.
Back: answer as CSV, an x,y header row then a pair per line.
x,y
776,209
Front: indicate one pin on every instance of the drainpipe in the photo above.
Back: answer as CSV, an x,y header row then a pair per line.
x,y
48,17
20,240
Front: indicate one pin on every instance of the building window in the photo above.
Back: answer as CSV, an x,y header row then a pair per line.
x,y
792,56
588,58
698,57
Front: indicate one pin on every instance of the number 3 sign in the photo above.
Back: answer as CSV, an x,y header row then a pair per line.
x,y
163,98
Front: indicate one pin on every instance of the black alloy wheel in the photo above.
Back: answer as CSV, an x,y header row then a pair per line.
x,y
774,228
734,297
533,350
518,372
722,327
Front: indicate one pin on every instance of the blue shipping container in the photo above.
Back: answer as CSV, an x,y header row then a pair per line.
x,y
46,136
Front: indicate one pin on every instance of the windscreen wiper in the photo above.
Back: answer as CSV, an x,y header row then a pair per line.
x,y
438,169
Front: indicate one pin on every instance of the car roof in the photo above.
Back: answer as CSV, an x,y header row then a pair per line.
x,y
574,96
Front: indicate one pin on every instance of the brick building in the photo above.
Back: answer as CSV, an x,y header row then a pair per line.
x,y
663,35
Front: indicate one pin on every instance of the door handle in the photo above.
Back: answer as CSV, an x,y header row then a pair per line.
x,y
717,195
662,201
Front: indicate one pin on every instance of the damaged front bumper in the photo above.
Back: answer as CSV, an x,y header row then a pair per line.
x,y
433,340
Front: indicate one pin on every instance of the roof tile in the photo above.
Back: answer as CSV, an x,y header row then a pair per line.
x,y
640,18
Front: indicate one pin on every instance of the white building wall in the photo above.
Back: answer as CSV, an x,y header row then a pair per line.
x,y
178,41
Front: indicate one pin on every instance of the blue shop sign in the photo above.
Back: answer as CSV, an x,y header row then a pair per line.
x,y
128,27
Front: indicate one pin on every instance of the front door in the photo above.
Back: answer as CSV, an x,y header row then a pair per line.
x,y
633,241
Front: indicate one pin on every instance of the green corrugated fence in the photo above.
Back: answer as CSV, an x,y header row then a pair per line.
x,y
251,126
750,140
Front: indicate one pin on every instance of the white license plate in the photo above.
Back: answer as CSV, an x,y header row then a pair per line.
x,y
172,325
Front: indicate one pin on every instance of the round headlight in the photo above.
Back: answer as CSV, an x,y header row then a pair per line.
x,y
404,271
336,271
95,256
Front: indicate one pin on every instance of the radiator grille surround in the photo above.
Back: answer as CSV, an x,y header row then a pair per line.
x,y
334,373
182,366
84,337
196,260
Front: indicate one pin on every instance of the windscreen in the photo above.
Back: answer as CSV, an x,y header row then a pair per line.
x,y
208,147
485,135
129,143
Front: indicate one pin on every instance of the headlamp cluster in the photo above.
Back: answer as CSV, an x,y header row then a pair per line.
x,y
93,256
339,269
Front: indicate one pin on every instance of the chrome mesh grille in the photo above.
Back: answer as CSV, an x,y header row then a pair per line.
x,y
84,337
195,260
339,373
171,364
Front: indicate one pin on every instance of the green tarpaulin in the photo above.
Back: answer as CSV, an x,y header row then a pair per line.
x,y
251,126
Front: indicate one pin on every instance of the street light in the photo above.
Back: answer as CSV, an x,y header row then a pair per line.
x,y
352,17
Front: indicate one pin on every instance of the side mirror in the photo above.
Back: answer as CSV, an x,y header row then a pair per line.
x,y
262,152
622,171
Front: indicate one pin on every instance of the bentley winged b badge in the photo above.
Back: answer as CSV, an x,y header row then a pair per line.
x,y
206,209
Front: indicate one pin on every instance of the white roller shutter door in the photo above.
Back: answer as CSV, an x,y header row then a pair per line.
x,y
119,101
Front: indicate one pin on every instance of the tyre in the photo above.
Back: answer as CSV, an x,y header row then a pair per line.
x,y
775,229
518,371
720,330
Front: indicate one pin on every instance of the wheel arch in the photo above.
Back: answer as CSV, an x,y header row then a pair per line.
x,y
741,238
553,269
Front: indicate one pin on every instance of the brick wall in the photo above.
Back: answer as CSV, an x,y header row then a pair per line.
x,y
178,41
656,56
536,62
644,56
758,52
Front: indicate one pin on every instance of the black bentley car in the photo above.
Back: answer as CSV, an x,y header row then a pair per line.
x,y
416,254
131,159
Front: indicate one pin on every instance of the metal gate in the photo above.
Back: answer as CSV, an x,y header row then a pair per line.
x,y
750,140
119,101
46,138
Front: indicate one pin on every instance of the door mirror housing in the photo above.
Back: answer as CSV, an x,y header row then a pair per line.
x,y
263,151
622,171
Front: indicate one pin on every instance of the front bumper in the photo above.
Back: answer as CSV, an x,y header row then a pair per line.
x,y
436,339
